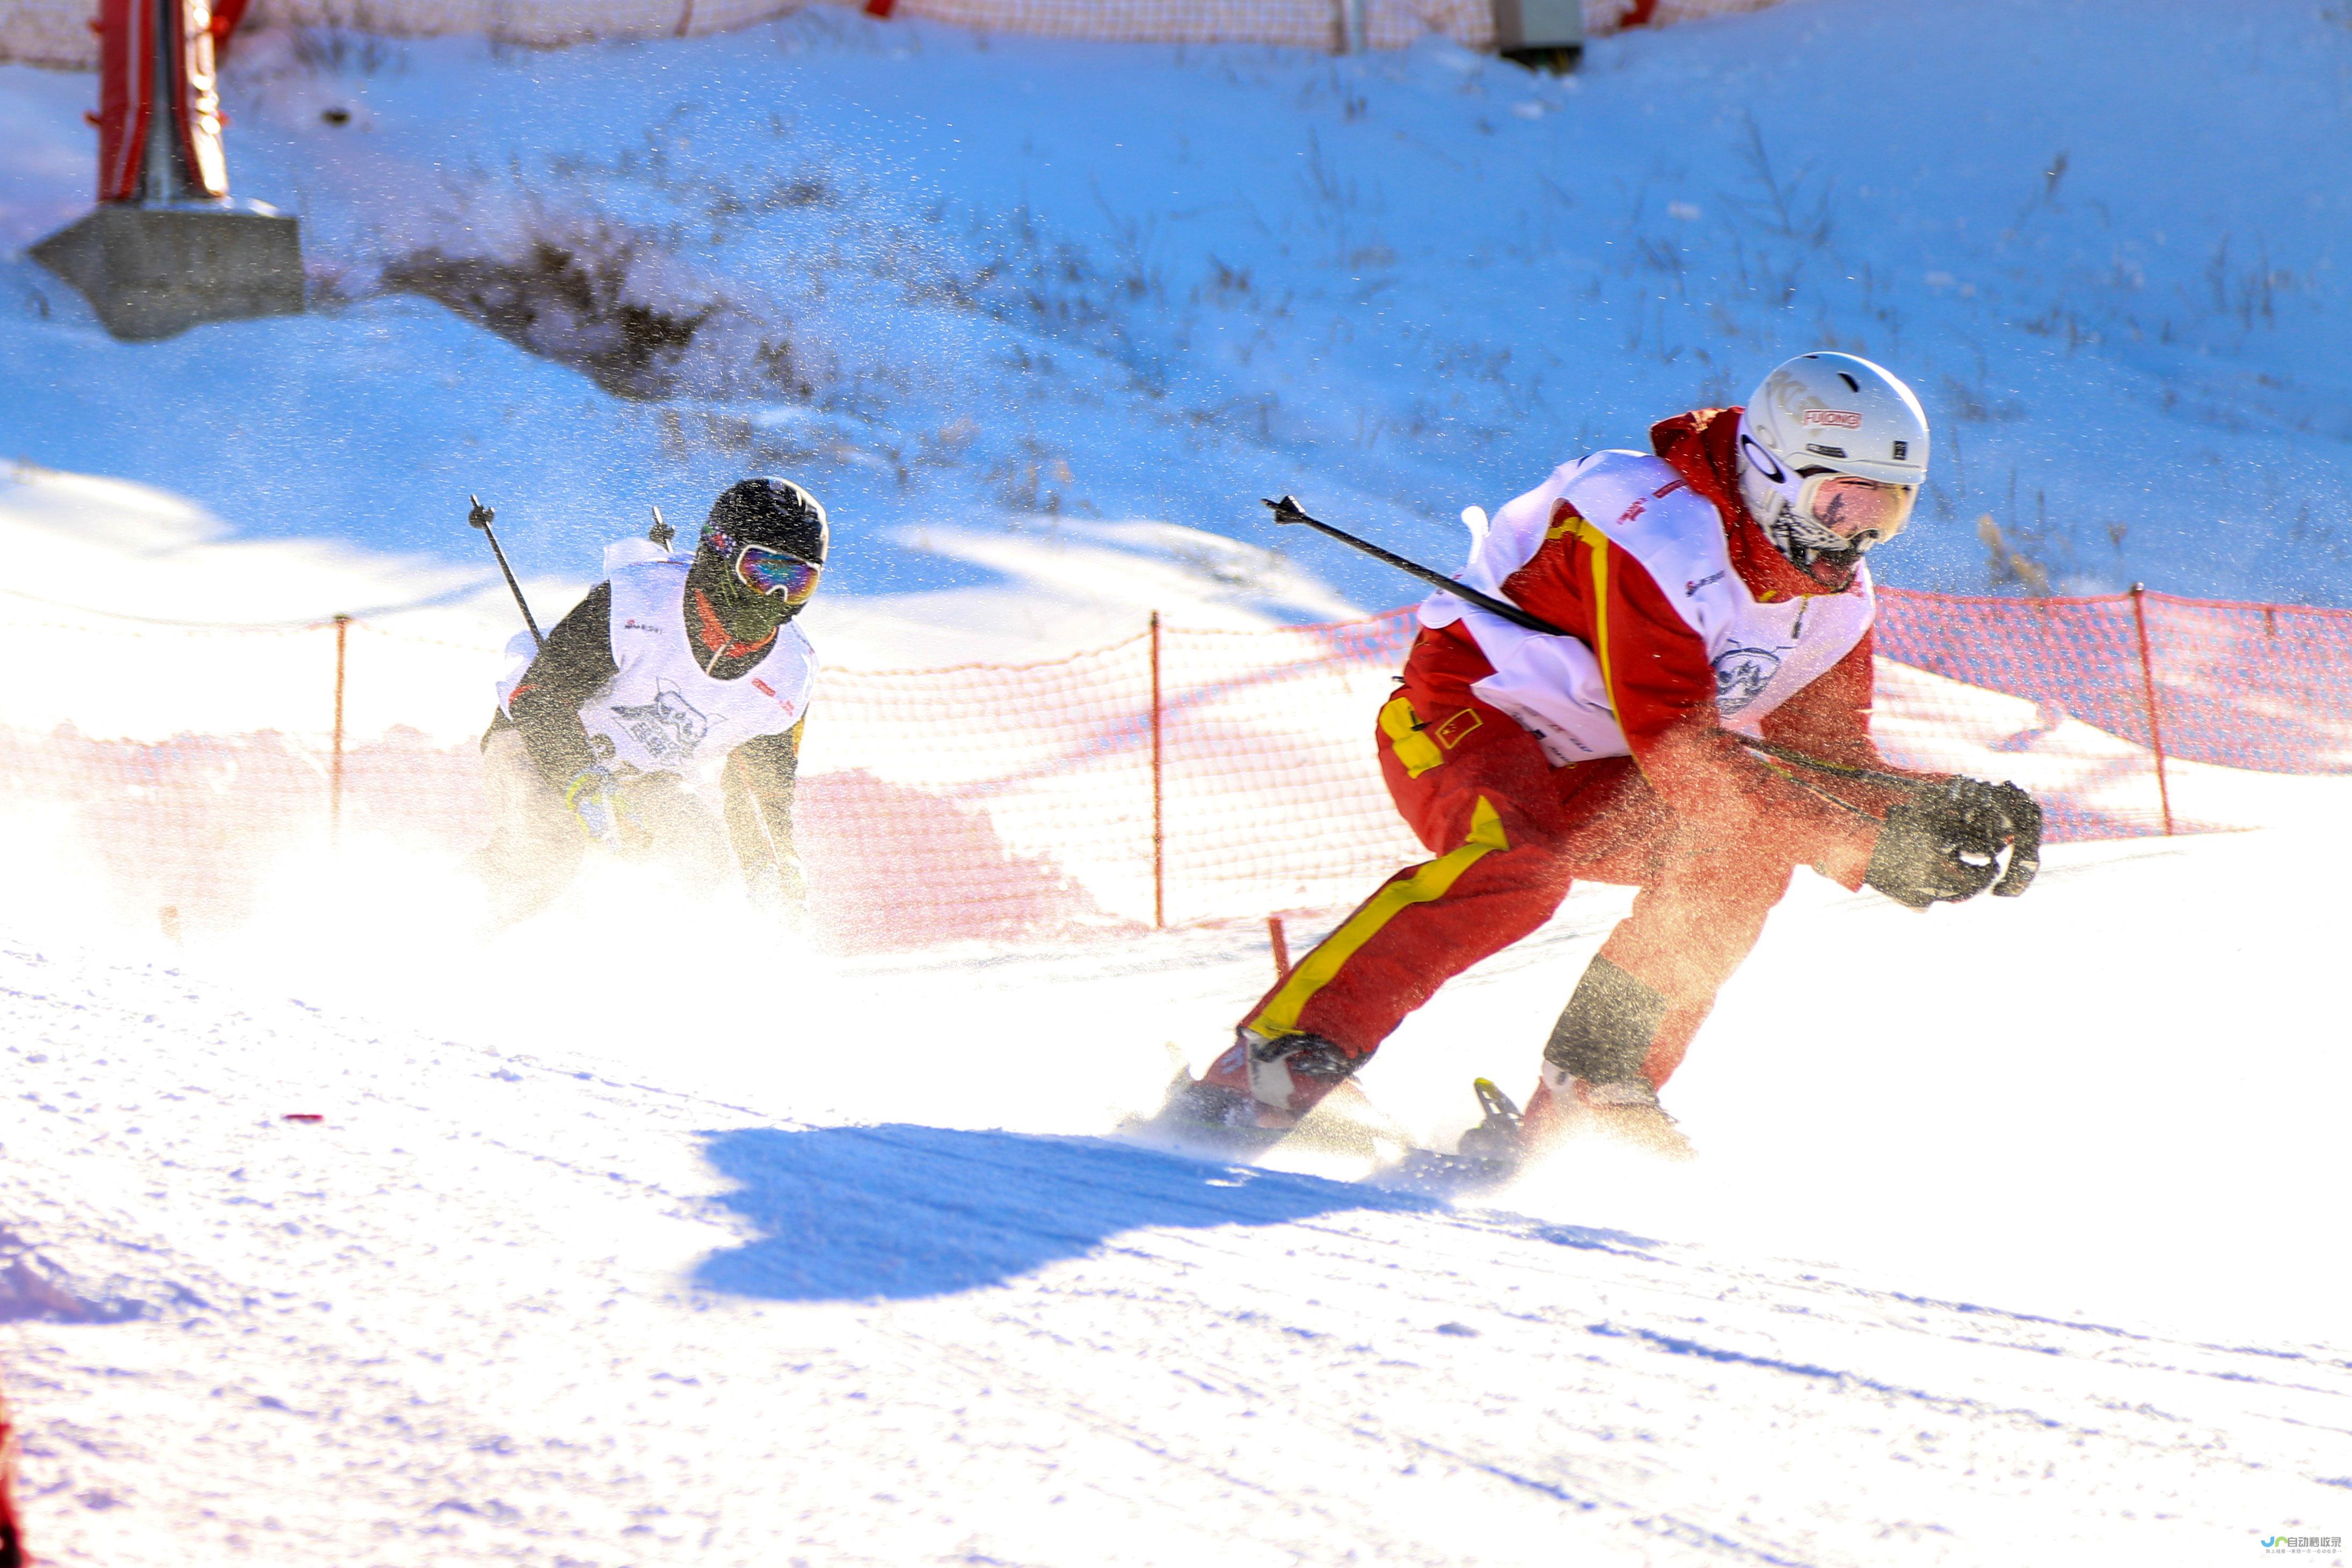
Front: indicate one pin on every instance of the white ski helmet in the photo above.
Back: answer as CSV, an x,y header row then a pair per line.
x,y
1818,423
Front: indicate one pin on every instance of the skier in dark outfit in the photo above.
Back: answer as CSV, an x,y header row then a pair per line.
x,y
673,687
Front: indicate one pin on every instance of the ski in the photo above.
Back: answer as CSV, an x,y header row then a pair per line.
x,y
1488,1155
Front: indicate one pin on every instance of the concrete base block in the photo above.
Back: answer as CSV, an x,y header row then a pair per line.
x,y
1542,35
155,271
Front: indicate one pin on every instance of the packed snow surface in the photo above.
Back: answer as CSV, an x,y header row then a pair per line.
x,y
2010,1242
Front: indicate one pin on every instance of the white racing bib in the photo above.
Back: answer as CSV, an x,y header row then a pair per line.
x,y
660,713
1763,654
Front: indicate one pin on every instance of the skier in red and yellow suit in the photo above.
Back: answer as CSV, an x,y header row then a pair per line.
x,y
1718,584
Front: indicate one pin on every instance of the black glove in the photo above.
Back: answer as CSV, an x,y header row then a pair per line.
x,y
1943,843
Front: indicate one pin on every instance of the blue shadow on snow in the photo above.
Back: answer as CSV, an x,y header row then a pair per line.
x,y
898,1212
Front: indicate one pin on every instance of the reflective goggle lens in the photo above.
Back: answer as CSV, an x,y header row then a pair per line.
x,y
772,571
1850,506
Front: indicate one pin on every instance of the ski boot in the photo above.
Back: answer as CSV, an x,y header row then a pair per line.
x,y
1625,1112
1259,1089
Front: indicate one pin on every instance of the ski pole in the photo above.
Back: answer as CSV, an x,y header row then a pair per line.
x,y
1821,765
1287,510
480,517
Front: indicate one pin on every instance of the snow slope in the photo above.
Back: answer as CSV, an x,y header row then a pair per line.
x,y
968,281
2015,1256
2009,1249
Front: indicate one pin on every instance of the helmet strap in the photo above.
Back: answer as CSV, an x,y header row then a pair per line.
x,y
1774,494
1832,568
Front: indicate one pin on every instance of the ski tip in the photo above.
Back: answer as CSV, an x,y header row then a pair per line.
x,y
1494,1142
1493,1100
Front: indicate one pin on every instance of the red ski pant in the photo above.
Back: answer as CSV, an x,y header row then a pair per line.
x,y
1511,833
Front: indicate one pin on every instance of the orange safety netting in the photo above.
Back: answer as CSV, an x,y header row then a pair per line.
x,y
56,31
2130,705
1177,777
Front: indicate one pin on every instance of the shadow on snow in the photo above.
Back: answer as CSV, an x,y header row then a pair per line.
x,y
898,1212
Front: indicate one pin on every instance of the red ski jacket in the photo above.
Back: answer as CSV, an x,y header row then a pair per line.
x,y
1658,670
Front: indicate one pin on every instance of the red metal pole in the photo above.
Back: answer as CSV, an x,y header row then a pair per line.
x,y
12,1541
159,123
335,785
127,95
1159,821
2148,690
1281,940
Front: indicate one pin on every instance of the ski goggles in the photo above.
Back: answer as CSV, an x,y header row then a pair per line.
x,y
1851,506
769,571
773,572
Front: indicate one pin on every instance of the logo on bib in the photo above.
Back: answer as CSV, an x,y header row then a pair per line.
x,y
783,701
669,727
1740,676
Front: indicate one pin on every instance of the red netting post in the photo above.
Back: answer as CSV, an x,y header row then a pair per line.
x,y
1281,942
1159,822
12,1541
335,778
2147,689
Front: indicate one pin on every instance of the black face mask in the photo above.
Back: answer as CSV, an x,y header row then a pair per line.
x,y
748,617
1834,569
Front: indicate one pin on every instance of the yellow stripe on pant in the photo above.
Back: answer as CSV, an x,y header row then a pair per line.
x,y
1428,882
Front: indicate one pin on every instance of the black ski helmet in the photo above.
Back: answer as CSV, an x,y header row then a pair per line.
x,y
773,512
769,512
